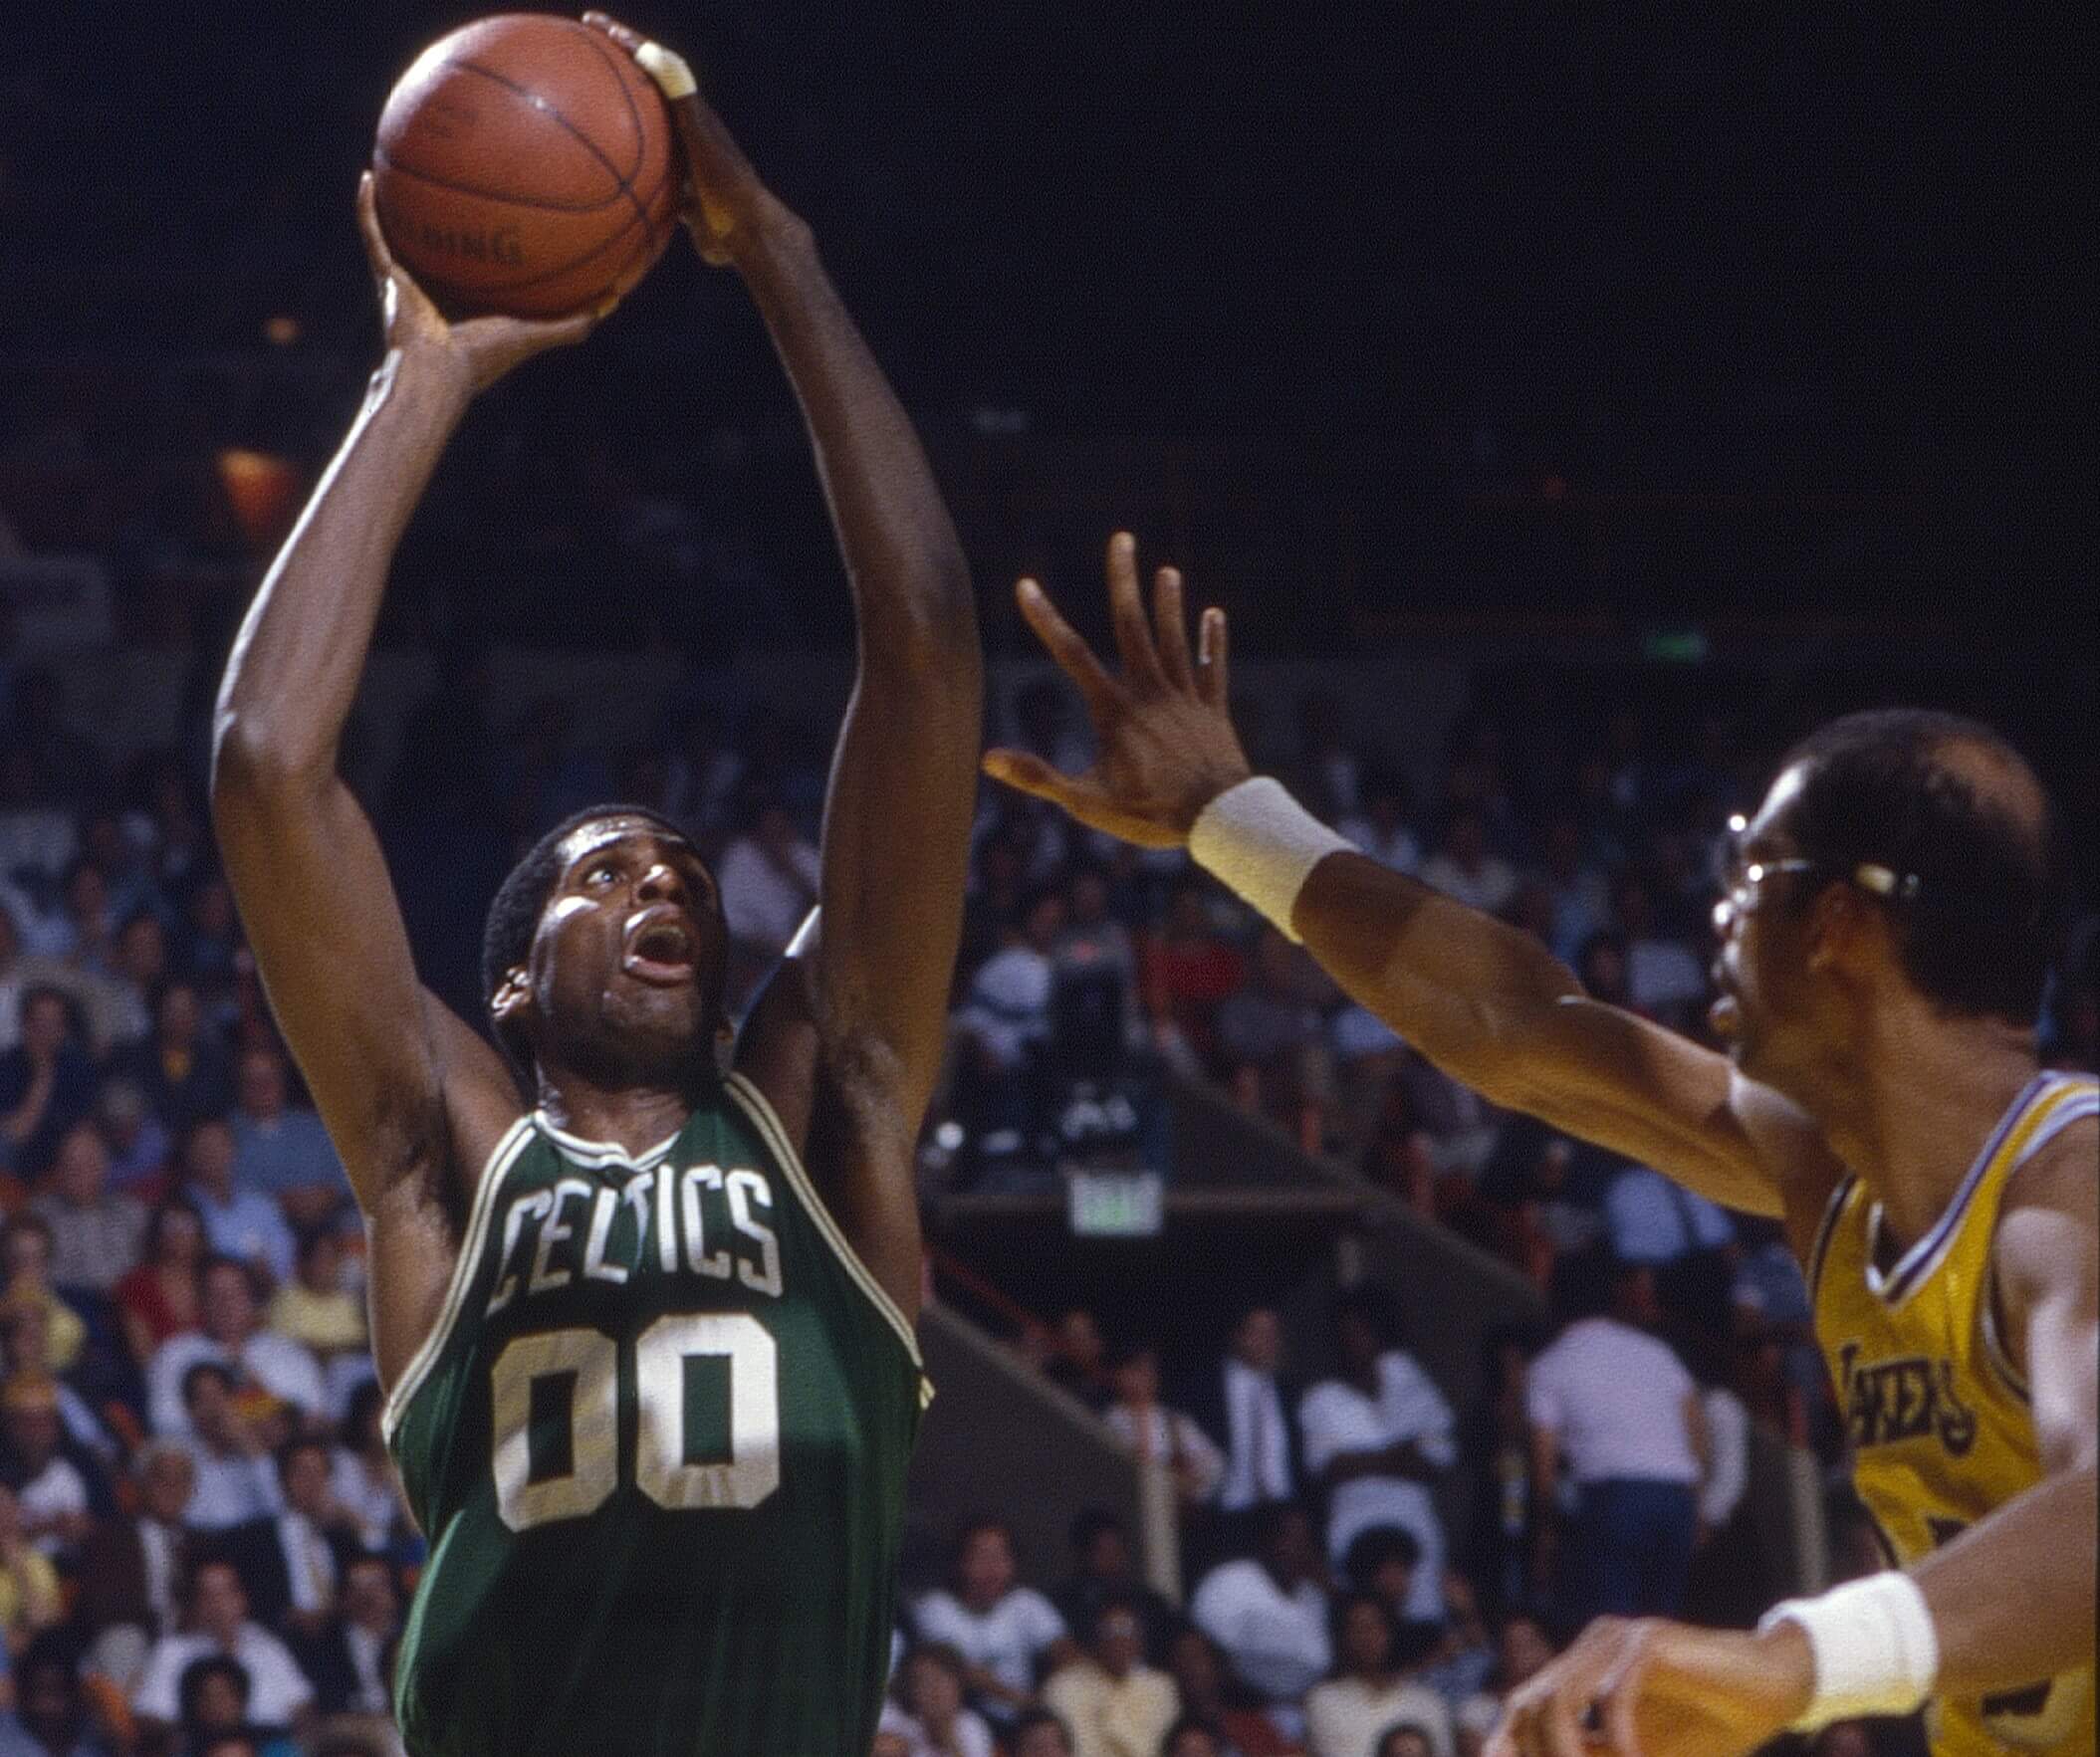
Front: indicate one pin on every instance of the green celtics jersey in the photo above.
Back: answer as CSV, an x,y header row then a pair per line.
x,y
657,1442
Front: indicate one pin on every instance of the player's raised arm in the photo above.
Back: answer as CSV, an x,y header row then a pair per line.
x,y
1483,1002
304,864
903,781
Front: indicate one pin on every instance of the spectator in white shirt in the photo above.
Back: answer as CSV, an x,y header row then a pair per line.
x,y
291,1561
768,876
1155,1434
1462,866
1345,1714
1581,899
1406,1739
1270,1612
1651,1218
362,1477
236,1481
51,1493
1006,1010
278,1692
1380,830
1114,1703
234,1337
1003,1631
1617,1404
95,1234
282,1150
240,1223
1664,979
1377,1437
939,1724
134,1571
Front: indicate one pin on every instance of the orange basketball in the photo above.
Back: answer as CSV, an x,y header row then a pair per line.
x,y
525,164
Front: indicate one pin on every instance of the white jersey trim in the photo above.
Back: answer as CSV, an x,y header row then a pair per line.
x,y
599,1154
1918,1264
755,1106
470,1248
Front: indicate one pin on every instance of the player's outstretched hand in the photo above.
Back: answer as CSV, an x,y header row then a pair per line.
x,y
724,197
483,347
1166,740
1659,1690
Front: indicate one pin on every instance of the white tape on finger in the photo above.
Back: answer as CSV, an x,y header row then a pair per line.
x,y
673,77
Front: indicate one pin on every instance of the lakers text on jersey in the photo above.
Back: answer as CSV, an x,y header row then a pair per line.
x,y
657,1442
1936,1411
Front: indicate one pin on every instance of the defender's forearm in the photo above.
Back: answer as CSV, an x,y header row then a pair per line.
x,y
911,586
295,665
1992,1639
1467,991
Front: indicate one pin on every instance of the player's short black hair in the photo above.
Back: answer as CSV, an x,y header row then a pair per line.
x,y
200,1672
514,915
1194,1722
1029,1719
1371,1549
300,1442
1272,1517
202,1370
1118,1600
1887,787
1373,1304
1338,1609
1089,1523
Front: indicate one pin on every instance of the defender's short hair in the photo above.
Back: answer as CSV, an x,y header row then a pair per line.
x,y
1896,788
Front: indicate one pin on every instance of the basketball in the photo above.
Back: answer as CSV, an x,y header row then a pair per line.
x,y
525,166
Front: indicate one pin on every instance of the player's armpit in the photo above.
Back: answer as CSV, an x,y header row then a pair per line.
x,y
903,782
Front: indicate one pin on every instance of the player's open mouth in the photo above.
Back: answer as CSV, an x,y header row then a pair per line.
x,y
659,947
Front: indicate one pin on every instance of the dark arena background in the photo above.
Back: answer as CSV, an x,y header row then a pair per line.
x,y
1568,416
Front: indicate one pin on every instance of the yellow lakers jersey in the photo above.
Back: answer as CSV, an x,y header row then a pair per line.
x,y
1935,1410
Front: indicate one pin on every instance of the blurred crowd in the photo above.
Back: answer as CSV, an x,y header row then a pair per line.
x,y
1329,1616
201,1545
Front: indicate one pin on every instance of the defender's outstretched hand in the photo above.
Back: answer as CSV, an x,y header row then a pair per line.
x,y
1660,1689
724,196
1166,739
484,347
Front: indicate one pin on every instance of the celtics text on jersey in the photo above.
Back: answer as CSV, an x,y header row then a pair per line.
x,y
657,1442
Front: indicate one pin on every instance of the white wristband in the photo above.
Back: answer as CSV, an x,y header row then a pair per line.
x,y
1875,1648
1263,844
670,70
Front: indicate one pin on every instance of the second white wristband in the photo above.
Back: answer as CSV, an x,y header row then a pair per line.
x,y
1263,844
1876,1649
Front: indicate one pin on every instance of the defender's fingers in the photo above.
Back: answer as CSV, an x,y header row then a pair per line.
x,y
1026,773
1564,1720
1066,645
625,36
1126,613
1209,657
1170,619
1619,1696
